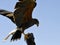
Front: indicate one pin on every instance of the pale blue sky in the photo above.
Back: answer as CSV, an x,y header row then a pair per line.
x,y
46,11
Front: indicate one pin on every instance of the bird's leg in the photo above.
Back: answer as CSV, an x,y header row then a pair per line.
x,y
21,29
26,36
23,33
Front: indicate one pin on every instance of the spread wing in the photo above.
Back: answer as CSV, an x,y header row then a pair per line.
x,y
23,13
7,14
22,17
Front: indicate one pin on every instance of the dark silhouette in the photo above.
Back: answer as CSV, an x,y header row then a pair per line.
x,y
22,17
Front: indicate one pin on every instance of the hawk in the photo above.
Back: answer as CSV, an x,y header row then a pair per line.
x,y
22,17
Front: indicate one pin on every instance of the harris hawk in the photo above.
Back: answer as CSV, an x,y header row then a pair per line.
x,y
22,17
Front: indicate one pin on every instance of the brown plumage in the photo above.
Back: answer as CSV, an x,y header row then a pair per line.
x,y
23,14
22,17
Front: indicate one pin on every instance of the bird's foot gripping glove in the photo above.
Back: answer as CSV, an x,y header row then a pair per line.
x,y
29,38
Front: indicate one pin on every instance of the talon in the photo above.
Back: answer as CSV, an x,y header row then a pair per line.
x,y
26,36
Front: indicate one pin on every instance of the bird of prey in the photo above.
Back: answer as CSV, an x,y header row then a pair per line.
x,y
22,17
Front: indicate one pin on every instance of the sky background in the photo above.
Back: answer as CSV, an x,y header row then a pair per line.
x,y
48,14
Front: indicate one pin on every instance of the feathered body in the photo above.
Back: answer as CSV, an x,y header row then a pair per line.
x,y
22,17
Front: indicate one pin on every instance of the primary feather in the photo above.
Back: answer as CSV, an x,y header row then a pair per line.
x,y
7,14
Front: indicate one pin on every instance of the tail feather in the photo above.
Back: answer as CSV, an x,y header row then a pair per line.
x,y
11,33
16,35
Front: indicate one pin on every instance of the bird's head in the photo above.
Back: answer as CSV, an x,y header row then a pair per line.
x,y
36,22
